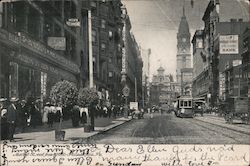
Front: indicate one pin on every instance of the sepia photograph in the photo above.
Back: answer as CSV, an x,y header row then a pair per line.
x,y
123,76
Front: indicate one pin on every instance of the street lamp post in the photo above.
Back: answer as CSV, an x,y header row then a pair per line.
x,y
91,80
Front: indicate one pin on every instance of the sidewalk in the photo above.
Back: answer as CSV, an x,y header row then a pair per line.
x,y
220,121
44,135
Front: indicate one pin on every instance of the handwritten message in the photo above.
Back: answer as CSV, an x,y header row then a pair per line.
x,y
123,155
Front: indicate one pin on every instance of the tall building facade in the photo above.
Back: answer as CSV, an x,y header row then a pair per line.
x,y
245,83
200,85
184,71
38,48
145,53
43,42
106,44
218,24
132,63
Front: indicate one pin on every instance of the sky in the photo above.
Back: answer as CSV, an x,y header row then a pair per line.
x,y
155,24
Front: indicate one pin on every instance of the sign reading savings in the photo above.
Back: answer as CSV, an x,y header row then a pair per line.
x,y
229,44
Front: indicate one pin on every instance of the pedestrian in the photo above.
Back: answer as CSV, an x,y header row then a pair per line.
x,y
45,112
59,114
4,123
151,113
105,111
36,118
98,111
75,116
109,112
12,117
23,115
83,116
50,116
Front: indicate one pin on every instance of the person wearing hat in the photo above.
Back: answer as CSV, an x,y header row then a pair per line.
x,y
22,115
4,124
11,117
45,112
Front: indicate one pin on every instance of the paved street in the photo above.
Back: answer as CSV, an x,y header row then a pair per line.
x,y
169,129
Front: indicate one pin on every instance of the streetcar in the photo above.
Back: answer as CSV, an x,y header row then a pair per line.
x,y
184,107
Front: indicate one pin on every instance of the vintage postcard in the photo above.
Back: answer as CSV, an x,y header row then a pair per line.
x,y
125,82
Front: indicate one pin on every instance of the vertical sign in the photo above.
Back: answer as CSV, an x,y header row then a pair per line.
x,y
43,84
124,48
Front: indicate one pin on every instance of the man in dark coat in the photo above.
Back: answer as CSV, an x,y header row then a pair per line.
x,y
12,117
4,124
75,116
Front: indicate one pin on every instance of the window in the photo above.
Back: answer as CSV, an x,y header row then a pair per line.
x,y
110,74
103,46
93,4
1,15
110,60
185,103
110,35
182,104
94,36
103,24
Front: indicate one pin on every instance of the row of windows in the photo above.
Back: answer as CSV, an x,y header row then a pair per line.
x,y
23,17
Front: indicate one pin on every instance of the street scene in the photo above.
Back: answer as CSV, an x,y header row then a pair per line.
x,y
125,71
167,129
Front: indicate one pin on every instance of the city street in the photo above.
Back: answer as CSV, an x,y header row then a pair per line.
x,y
168,129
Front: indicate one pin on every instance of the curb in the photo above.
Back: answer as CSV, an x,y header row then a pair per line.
x,y
100,132
243,132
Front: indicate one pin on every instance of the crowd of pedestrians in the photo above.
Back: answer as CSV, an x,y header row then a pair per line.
x,y
18,115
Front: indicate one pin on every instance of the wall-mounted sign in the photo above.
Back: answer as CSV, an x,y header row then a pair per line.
x,y
133,105
73,22
126,91
57,43
229,44
237,62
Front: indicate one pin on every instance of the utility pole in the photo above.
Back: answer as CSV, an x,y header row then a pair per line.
x,y
135,90
91,81
181,83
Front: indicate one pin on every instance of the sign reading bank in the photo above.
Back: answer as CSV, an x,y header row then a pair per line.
x,y
229,44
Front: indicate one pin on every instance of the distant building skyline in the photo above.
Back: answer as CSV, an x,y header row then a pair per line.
x,y
155,25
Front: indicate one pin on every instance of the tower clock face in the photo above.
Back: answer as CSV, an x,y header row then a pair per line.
x,y
184,39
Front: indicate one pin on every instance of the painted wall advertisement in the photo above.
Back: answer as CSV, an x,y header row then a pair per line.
x,y
229,44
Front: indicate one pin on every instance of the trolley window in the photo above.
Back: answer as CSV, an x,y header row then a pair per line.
x,y
185,103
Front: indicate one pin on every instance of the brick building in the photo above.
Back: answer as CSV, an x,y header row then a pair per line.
x,y
107,43
217,21
200,67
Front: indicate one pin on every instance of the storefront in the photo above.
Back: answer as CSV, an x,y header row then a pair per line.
x,y
30,68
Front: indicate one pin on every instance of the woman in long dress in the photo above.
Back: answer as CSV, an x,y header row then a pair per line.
x,y
45,112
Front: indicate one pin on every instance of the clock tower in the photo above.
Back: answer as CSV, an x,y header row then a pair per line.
x,y
183,47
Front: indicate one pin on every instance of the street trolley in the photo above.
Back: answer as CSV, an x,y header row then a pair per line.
x,y
237,108
184,107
